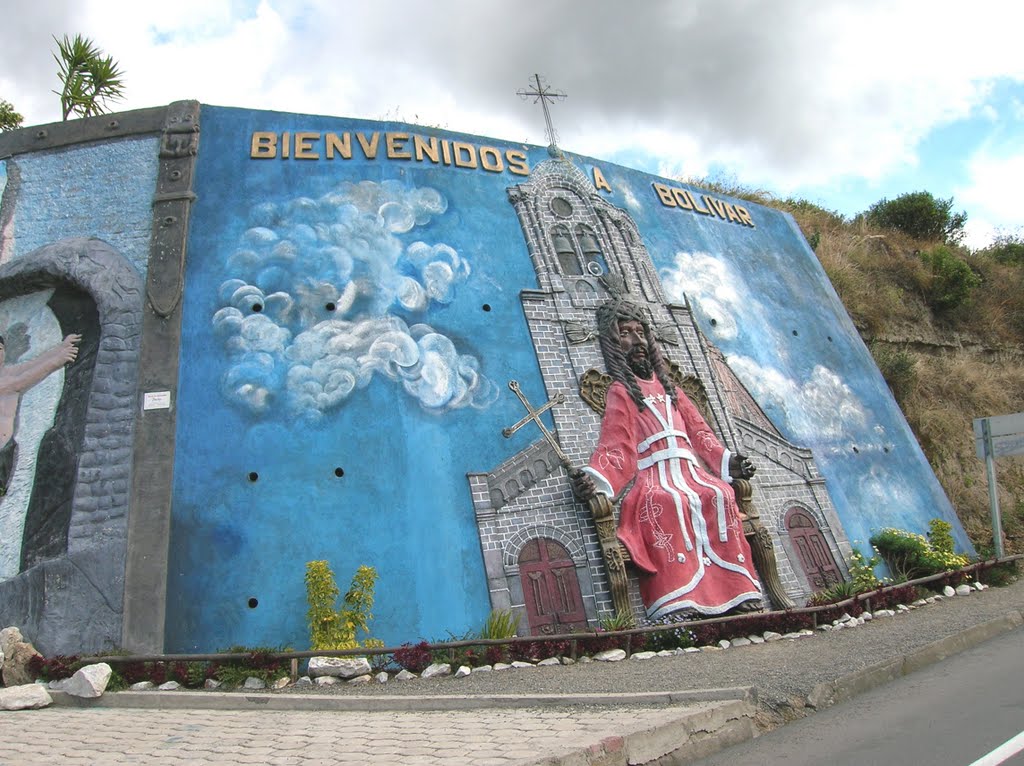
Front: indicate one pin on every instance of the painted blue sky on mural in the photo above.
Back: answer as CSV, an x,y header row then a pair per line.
x,y
349,328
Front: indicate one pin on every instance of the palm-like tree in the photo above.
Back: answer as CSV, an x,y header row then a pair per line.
x,y
89,78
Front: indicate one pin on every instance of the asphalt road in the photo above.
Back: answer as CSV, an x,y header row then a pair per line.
x,y
949,714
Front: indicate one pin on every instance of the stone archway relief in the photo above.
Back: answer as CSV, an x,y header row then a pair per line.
x,y
79,495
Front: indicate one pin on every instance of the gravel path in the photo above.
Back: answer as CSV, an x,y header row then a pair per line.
x,y
783,673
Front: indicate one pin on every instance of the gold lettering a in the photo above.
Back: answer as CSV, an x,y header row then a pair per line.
x,y
599,180
716,205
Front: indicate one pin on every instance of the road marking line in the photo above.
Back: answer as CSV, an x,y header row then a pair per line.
x,y
1004,752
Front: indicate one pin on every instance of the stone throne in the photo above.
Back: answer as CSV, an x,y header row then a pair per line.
x,y
594,387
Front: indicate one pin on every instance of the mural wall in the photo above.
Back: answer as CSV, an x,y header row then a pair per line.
x,y
74,244
237,341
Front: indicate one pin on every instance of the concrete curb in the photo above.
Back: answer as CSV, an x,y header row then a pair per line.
x,y
203,700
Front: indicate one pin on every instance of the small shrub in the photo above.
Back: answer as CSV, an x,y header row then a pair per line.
x,y
951,279
500,624
675,636
54,668
414,658
862,572
331,628
1007,249
258,663
495,654
838,592
998,575
535,651
898,367
707,635
893,596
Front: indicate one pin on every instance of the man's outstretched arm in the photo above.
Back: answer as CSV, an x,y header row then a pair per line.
x,y
18,378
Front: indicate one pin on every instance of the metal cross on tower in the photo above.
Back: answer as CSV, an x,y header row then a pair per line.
x,y
543,93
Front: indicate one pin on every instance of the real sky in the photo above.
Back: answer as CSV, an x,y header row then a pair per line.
x,y
841,103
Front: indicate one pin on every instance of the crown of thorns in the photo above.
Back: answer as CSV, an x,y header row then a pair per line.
x,y
613,311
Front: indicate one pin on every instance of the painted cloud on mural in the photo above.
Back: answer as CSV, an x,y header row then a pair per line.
x,y
318,296
819,408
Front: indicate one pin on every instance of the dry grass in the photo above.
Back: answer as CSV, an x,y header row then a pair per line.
x,y
884,285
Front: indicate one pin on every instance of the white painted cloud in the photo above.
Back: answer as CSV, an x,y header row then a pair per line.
x,y
713,288
307,312
822,408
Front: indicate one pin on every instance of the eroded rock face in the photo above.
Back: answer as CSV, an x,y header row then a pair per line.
x,y
16,659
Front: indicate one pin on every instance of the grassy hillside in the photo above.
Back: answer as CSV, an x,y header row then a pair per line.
x,y
949,340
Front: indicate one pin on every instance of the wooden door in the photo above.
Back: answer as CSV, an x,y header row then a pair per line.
x,y
551,589
815,557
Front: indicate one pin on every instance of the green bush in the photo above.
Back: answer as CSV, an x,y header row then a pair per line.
x,y
910,555
951,279
919,215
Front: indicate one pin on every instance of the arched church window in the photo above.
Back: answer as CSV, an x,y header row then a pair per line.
x,y
593,259
565,251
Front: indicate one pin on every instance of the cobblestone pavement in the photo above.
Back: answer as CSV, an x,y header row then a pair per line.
x,y
181,737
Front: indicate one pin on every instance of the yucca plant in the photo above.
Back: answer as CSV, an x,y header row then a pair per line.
x,y
88,78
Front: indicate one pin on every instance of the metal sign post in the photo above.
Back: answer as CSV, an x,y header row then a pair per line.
x,y
999,436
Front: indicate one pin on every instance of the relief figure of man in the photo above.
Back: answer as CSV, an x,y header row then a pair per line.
x,y
679,521
15,380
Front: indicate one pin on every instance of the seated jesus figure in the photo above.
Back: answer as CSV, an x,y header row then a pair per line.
x,y
679,521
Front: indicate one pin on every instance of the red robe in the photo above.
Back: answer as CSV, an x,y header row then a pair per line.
x,y
679,521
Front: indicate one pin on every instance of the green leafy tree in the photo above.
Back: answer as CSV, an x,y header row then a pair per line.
x,y
9,119
920,215
88,78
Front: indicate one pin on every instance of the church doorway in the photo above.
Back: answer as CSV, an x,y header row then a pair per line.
x,y
551,588
815,557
